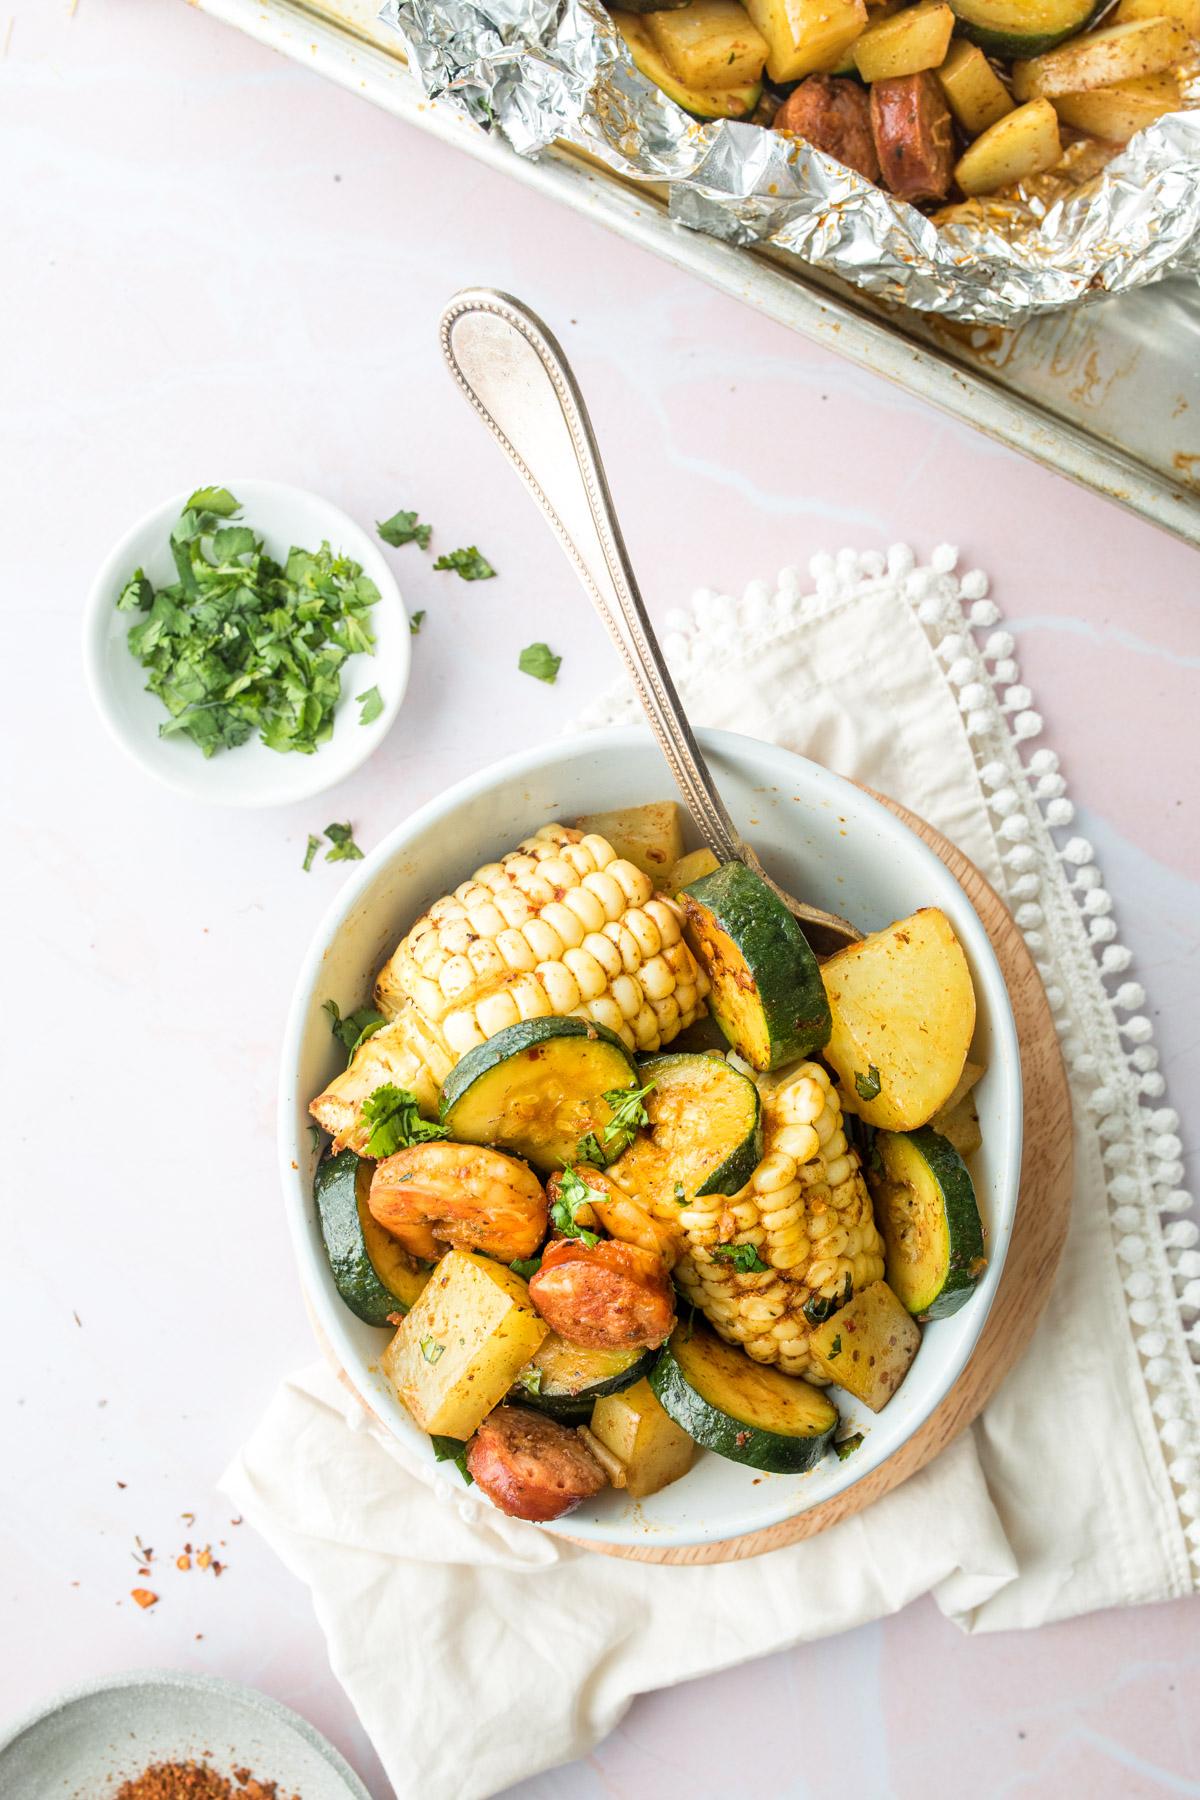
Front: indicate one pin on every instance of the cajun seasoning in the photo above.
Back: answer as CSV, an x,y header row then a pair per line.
x,y
197,1781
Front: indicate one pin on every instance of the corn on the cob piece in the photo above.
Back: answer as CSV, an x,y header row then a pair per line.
x,y
561,926
808,1215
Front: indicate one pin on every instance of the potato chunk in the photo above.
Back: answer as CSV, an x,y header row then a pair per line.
x,y
460,1349
650,836
653,1450
867,1346
903,1017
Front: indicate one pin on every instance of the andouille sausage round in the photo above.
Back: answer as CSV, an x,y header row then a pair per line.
x,y
605,1296
834,115
532,1467
914,136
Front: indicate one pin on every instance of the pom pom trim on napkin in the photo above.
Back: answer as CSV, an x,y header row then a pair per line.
x,y
1056,890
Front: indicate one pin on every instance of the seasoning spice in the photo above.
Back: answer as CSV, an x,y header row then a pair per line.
x,y
144,1597
196,1781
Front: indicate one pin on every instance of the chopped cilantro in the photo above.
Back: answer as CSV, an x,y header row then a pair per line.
x,y
539,661
448,1449
744,1257
848,1445
416,621
343,847
835,1349
240,645
372,705
314,1132
590,1150
573,1193
356,1027
314,844
530,1379
402,528
526,1266
431,1350
680,1196
468,563
817,1308
628,1114
868,1085
396,1122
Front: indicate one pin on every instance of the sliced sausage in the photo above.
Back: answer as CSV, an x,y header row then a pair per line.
x,y
835,116
438,1194
605,1296
914,136
531,1466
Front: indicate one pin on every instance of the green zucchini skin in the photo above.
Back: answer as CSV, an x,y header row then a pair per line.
x,y
553,1053
574,1378
713,1072
339,1189
1012,44
928,1216
767,993
737,1407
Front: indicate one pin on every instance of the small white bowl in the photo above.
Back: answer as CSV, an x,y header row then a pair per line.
x,y
251,775
822,837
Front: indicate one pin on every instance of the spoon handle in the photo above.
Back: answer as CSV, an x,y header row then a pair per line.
x,y
514,373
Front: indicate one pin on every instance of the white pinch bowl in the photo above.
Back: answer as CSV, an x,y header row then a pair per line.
x,y
821,837
250,775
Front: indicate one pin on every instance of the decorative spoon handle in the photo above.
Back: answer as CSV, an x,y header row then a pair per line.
x,y
516,377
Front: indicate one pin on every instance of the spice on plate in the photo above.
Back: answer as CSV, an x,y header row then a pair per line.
x,y
197,1781
145,1597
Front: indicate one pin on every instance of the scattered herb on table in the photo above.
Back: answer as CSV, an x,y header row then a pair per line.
x,y
468,563
744,1257
416,621
356,1027
240,644
539,661
396,1122
868,1085
573,1193
342,845
372,705
448,1449
314,844
402,528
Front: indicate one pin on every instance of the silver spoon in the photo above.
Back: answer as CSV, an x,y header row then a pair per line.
x,y
514,373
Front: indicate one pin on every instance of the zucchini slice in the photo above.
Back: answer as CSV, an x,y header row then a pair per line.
x,y
704,1135
374,1275
565,1380
743,1410
926,1210
536,1088
1011,28
767,993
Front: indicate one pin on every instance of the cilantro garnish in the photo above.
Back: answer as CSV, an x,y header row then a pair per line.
x,y
868,1085
402,528
372,705
628,1115
848,1445
314,844
416,621
590,1150
468,563
530,1379
356,1027
396,1122
539,661
744,1257
835,1349
573,1192
240,645
431,1350
680,1196
526,1266
343,847
448,1449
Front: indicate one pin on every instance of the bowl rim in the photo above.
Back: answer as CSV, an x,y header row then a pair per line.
x,y
97,624
1002,1025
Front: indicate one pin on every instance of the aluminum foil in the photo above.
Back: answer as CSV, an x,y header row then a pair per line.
x,y
545,70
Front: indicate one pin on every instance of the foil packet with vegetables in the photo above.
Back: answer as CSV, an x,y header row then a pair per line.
x,y
981,159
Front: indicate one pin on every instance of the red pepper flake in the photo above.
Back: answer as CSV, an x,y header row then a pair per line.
x,y
144,1597
742,1439
183,1562
204,1557
236,1521
120,1484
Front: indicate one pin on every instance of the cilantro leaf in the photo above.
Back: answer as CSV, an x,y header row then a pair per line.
x,y
848,1445
868,1085
343,847
628,1116
680,1196
468,563
356,1027
526,1266
817,1308
589,1150
540,661
396,1122
372,705
744,1257
402,528
217,500
431,1350
416,620
835,1349
137,595
530,1379
448,1449
314,844
573,1193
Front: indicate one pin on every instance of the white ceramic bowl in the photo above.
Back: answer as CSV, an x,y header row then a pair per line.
x,y
823,838
251,775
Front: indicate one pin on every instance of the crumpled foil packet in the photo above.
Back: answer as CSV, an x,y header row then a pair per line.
x,y
547,70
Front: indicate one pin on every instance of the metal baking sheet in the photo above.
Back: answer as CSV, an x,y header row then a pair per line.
x,y
1108,393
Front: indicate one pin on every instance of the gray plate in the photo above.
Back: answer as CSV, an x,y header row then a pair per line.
x,y
86,1741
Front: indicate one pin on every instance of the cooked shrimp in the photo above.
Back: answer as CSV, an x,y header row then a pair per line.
x,y
437,1196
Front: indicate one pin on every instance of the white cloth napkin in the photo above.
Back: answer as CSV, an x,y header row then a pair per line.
x,y
1079,1487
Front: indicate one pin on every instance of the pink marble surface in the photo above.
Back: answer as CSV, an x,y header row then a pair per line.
x,y
216,264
